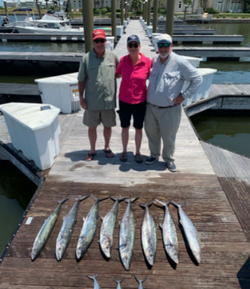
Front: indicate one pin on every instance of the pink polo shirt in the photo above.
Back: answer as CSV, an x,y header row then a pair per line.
x,y
133,86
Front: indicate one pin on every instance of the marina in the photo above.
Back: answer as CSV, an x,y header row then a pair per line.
x,y
215,189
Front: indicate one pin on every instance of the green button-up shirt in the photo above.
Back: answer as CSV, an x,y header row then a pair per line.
x,y
100,82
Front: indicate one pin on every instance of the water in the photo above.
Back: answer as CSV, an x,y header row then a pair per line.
x,y
13,201
231,132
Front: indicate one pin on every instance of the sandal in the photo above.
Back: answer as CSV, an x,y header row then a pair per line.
x,y
109,153
124,157
89,157
138,158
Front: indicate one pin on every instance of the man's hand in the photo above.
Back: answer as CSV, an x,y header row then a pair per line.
x,y
179,99
83,103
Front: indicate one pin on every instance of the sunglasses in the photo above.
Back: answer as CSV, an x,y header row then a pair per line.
x,y
131,45
160,45
99,40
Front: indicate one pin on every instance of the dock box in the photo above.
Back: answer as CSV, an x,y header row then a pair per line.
x,y
34,130
60,91
204,88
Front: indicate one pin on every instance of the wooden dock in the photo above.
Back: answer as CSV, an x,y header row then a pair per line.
x,y
225,241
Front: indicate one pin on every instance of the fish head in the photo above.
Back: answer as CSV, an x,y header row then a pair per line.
x,y
59,253
33,254
82,247
106,246
150,256
125,259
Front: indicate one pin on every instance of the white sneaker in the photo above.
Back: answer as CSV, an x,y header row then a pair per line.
x,y
171,166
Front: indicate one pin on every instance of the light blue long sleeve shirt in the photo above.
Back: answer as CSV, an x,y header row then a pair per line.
x,y
166,80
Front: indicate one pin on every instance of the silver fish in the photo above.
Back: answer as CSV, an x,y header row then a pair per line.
x,y
66,230
118,283
127,235
140,281
88,229
191,232
96,284
45,231
169,234
107,228
148,235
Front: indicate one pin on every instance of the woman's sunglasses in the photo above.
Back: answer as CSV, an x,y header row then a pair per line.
x,y
160,45
99,40
131,45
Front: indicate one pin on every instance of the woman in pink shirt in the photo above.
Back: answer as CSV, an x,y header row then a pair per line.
x,y
134,69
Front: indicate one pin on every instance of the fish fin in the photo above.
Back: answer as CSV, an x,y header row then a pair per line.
x,y
98,200
117,198
145,205
132,199
180,221
84,219
160,225
62,201
170,242
80,199
160,202
140,280
92,277
177,205
118,281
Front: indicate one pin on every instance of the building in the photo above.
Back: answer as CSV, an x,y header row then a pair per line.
x,y
11,3
228,5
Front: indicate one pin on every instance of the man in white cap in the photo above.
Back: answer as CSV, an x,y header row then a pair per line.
x,y
164,97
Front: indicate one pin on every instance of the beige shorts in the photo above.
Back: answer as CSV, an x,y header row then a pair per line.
x,y
92,118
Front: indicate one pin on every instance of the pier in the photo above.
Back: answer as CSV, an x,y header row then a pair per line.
x,y
217,203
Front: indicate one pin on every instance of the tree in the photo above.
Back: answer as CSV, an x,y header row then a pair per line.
x,y
186,3
136,5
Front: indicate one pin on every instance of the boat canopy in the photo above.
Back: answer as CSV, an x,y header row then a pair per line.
x,y
22,9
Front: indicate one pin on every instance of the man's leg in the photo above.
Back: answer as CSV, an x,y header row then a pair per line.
x,y
169,125
153,132
92,140
107,131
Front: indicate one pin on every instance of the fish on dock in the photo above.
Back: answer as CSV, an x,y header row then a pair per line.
x,y
66,230
96,284
148,235
127,235
169,234
45,231
107,228
190,231
88,229
140,281
118,283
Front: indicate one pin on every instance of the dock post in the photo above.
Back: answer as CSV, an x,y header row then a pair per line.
x,y
155,16
122,8
113,19
39,11
88,23
6,9
170,17
149,12
146,9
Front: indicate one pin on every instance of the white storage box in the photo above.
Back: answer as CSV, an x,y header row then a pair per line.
x,y
60,91
119,30
34,131
149,30
111,40
204,88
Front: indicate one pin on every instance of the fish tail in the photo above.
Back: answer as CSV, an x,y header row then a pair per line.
x,y
92,277
117,198
97,199
131,200
118,281
178,205
80,199
145,205
162,203
62,201
140,280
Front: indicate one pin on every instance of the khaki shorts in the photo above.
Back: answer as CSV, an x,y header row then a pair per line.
x,y
92,118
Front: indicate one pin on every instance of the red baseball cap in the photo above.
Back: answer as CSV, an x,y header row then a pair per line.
x,y
98,33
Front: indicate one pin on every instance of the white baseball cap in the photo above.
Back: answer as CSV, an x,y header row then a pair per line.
x,y
165,38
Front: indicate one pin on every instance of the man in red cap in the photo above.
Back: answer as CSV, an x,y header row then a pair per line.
x,y
96,78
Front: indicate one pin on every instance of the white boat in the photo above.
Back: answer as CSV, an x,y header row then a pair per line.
x,y
49,24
